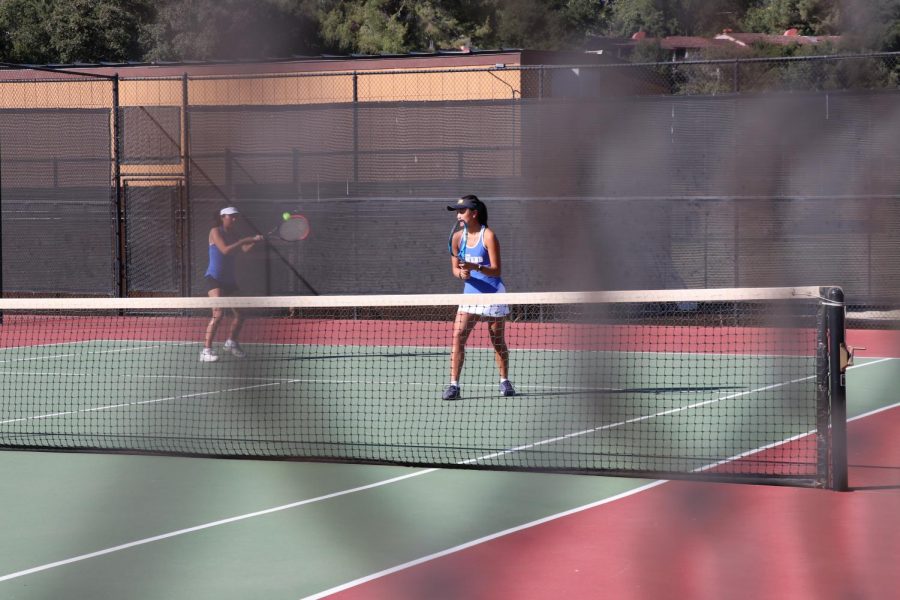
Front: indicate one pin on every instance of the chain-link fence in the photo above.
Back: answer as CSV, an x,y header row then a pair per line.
x,y
696,174
59,210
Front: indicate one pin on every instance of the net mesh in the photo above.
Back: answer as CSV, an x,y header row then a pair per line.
x,y
712,383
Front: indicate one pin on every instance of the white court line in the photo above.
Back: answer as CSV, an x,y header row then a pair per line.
x,y
377,484
454,549
142,402
481,540
88,352
269,382
155,377
790,439
637,419
172,534
275,381
45,345
487,538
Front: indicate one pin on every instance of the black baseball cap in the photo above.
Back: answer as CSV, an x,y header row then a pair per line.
x,y
466,202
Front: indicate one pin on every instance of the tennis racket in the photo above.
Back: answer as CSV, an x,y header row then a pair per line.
x,y
457,226
294,229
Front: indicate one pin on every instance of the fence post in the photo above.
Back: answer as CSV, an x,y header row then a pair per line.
x,y
295,172
121,285
355,131
229,176
185,195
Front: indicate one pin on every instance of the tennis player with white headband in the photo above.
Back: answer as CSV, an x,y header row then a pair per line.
x,y
221,279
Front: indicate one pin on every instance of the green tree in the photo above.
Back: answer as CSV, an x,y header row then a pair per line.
x,y
809,17
872,24
373,26
231,29
543,24
68,31
366,26
391,26
659,18
65,31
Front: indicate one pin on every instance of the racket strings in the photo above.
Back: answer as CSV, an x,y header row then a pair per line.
x,y
463,240
294,229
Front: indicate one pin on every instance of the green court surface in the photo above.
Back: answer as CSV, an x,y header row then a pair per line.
x,y
142,527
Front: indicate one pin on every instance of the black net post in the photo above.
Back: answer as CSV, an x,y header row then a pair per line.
x,y
1,227
836,368
823,391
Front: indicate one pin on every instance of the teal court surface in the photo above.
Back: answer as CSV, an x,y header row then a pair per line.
x,y
576,410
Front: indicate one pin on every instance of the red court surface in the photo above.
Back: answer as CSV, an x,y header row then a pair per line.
x,y
694,540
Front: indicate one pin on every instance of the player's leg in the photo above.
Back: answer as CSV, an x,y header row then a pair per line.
x,y
462,327
208,354
497,330
234,331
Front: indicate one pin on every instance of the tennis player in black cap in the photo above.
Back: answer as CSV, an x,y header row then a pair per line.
x,y
476,261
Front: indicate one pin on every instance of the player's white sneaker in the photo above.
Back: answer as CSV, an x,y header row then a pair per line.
x,y
207,355
235,348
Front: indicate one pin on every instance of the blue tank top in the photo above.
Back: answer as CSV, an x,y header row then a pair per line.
x,y
221,266
478,282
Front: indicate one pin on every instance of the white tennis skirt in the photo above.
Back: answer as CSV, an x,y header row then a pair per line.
x,y
495,311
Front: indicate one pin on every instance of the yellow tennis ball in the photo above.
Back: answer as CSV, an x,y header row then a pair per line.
x,y
286,216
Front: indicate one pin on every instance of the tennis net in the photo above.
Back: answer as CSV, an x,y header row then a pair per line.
x,y
741,384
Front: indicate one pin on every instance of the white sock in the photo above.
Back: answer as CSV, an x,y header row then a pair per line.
x,y
502,379
454,382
